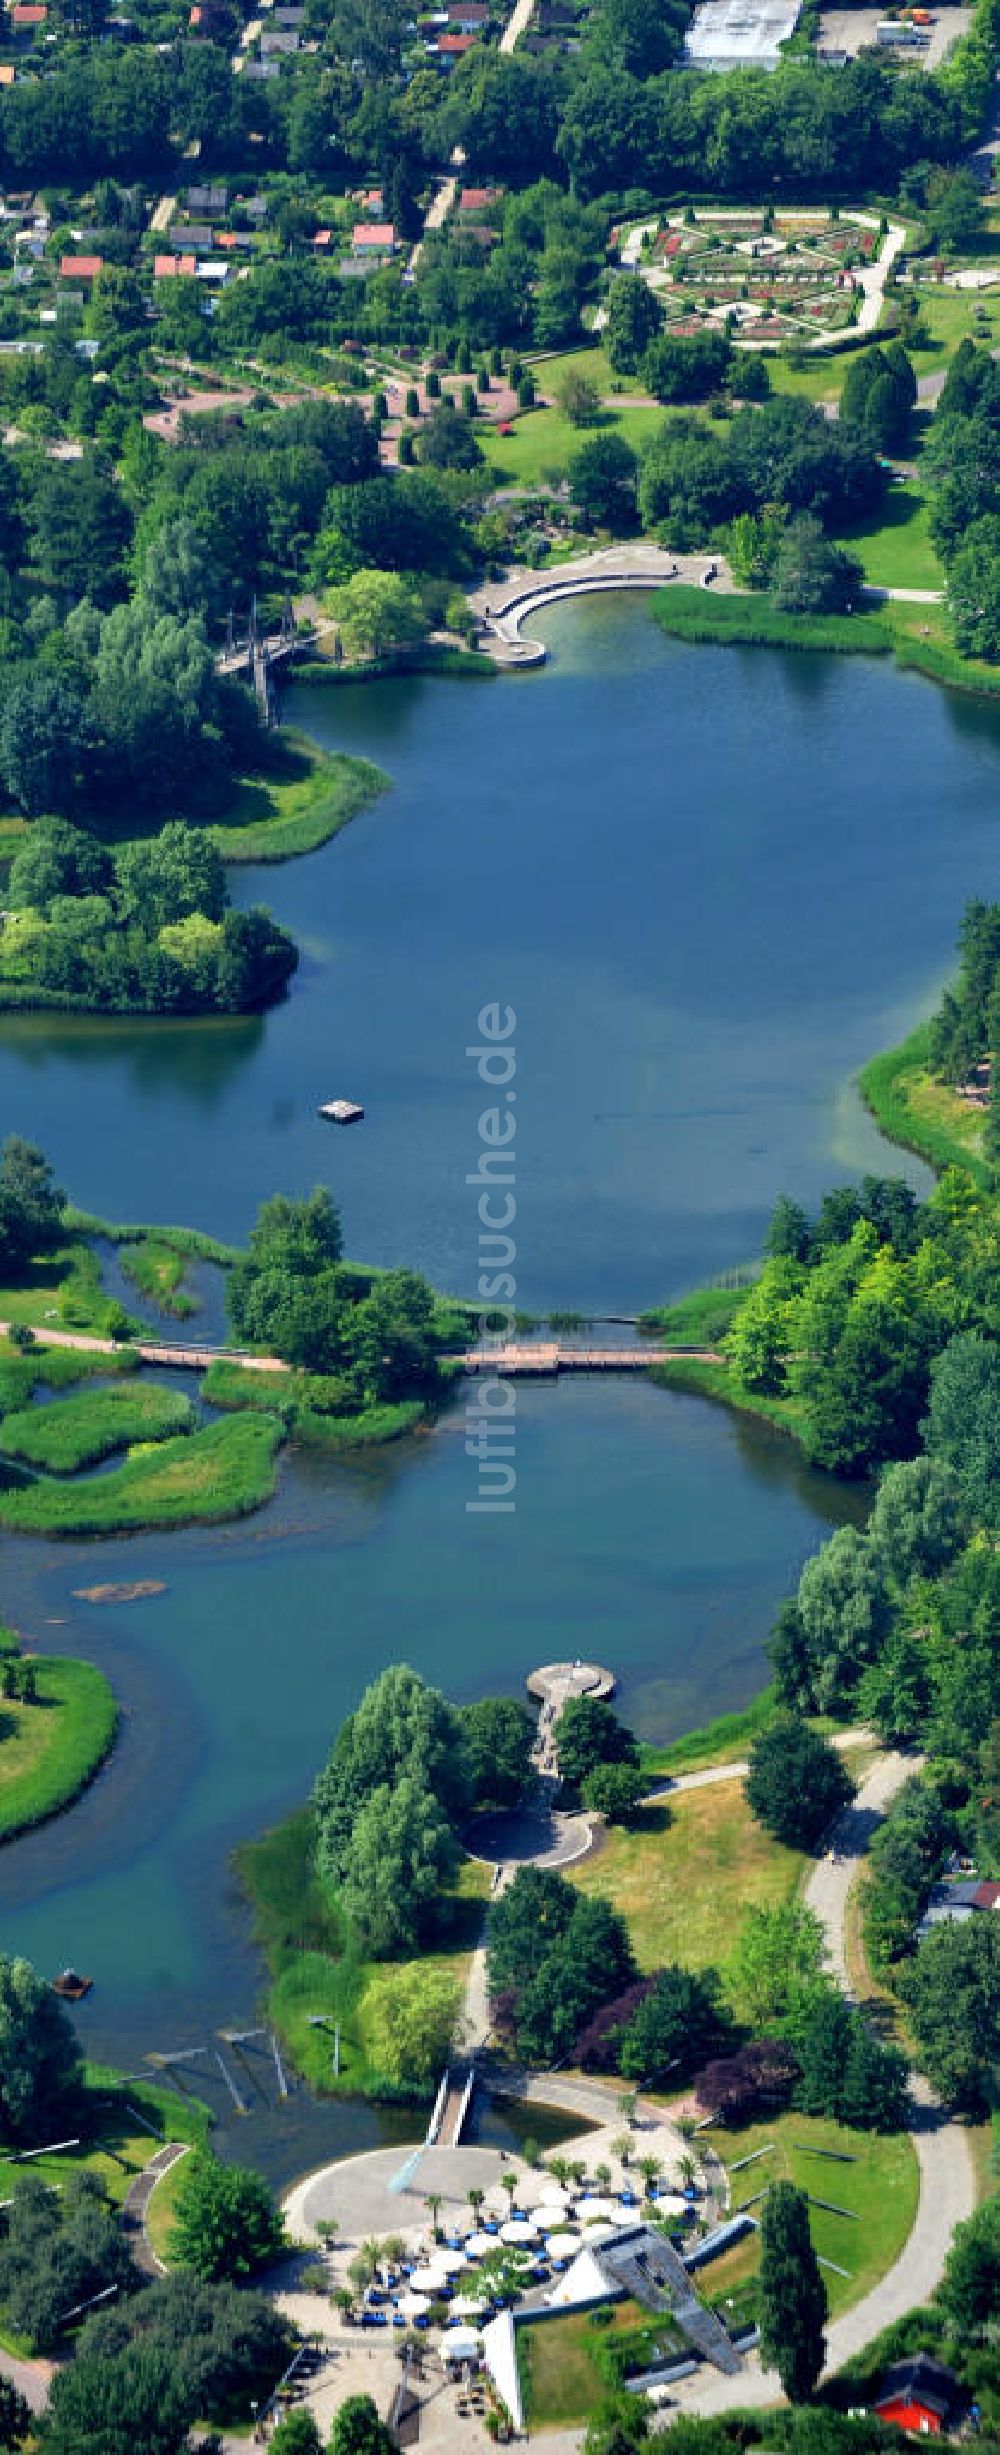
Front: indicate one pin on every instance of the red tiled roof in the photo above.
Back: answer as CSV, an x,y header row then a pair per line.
x,y
166,267
322,238
986,1896
473,200
28,13
456,42
373,234
81,268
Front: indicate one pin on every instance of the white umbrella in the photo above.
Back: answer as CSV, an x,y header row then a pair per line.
x,y
551,2212
471,2309
563,2245
478,2244
425,2280
413,2305
600,2231
592,2206
518,2230
461,2344
448,2262
672,2203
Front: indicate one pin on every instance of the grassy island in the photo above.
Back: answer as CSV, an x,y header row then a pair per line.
x,y
54,1735
198,1479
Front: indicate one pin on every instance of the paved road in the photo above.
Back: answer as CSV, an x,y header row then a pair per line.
x,y
517,24
947,2182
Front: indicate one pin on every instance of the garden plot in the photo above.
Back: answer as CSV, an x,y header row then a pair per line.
x,y
767,277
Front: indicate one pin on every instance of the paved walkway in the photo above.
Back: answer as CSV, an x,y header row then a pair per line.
x,y
135,2206
32,2379
504,604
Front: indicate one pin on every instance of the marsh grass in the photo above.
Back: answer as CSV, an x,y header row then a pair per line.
x,y
201,1478
80,1431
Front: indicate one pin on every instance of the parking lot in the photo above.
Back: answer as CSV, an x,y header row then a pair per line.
x,y
853,30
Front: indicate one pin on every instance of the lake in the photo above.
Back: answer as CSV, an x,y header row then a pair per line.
x,y
710,883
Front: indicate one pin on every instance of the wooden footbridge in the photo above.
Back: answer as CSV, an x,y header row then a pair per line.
x,y
538,1359
544,1357
257,655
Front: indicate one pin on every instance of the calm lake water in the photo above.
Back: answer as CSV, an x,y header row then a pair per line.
x,y
710,883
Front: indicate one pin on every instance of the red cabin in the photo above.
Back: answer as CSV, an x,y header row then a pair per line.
x,y
919,2395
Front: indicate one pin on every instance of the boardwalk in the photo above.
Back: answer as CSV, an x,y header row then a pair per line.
x,y
546,1357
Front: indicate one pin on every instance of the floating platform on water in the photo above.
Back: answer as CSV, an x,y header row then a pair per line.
x,y
342,1112
71,1986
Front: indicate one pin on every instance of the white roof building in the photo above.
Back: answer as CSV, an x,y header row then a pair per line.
x,y
740,33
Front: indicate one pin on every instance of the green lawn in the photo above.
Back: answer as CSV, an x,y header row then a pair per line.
x,y
51,1749
950,316
560,2381
820,379
114,2143
899,553
201,1478
80,1431
685,1876
543,442
162,2210
879,2186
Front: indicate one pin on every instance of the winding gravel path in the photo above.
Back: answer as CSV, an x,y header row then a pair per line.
x,y
947,2182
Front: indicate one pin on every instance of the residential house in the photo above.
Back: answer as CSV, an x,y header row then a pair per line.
x,y
197,238
921,2395
949,1903
375,241
80,268
173,268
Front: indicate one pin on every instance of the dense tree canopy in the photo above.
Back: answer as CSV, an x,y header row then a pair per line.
x,y
225,2222
40,2065
797,1782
